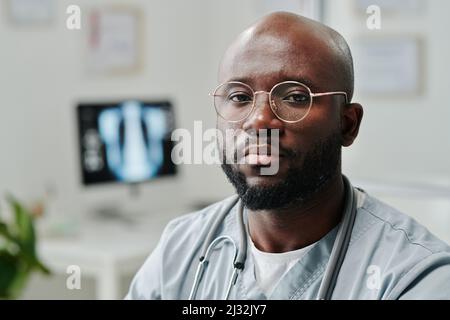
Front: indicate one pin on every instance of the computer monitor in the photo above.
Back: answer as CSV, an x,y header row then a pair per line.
x,y
125,141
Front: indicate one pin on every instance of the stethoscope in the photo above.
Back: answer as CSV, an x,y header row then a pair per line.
x,y
331,273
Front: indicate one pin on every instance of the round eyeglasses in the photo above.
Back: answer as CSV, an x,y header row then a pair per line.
x,y
290,101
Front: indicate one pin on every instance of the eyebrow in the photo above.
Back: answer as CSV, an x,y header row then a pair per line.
x,y
303,80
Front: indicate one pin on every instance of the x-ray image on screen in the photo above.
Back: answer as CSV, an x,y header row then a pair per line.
x,y
125,142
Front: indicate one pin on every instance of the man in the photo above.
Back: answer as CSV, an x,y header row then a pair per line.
x,y
294,77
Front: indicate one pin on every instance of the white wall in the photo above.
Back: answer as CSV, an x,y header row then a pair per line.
x,y
403,139
43,74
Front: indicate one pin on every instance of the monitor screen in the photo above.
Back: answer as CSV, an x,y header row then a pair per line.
x,y
127,141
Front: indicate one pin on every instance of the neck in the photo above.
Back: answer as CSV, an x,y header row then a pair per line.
x,y
297,227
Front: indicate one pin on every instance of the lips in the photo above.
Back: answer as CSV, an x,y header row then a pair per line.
x,y
258,160
262,154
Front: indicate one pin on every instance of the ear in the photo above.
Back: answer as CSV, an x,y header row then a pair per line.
x,y
351,118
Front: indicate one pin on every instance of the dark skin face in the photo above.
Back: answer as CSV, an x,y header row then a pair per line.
x,y
267,54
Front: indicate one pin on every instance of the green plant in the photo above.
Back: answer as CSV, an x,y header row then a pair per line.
x,y
18,257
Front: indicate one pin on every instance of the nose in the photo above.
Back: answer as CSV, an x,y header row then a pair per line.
x,y
262,116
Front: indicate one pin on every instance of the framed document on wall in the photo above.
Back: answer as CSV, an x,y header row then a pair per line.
x,y
30,12
114,40
393,7
389,65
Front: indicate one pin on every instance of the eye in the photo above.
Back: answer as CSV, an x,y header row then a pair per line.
x,y
240,97
296,98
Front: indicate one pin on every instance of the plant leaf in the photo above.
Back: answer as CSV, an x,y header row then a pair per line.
x,y
8,272
4,231
18,258
24,227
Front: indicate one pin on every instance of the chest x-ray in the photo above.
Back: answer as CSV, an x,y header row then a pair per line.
x,y
126,142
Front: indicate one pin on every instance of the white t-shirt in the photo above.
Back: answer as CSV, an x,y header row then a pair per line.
x,y
271,267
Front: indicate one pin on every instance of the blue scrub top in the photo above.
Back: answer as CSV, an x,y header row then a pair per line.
x,y
390,256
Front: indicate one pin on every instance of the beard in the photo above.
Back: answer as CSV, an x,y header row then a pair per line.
x,y
300,184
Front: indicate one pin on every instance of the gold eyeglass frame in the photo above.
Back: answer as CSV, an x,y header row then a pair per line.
x,y
271,102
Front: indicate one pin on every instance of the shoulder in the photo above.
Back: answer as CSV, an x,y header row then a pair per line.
x,y
398,227
407,252
197,220
163,272
192,228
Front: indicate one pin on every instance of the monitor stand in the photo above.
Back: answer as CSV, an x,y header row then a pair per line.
x,y
135,190
114,212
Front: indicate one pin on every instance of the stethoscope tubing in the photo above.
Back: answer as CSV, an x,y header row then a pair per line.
x,y
334,264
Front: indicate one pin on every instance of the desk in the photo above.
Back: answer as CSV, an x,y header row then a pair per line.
x,y
105,250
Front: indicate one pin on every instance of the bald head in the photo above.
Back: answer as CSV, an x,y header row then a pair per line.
x,y
286,44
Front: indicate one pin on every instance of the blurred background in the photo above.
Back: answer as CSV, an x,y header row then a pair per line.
x,y
73,91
